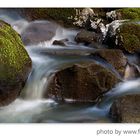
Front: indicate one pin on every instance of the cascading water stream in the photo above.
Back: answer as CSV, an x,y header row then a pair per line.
x,y
31,107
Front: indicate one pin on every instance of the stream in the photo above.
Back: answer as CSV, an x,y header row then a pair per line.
x,y
30,107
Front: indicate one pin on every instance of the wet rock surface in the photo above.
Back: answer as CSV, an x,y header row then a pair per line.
x,y
88,37
124,36
60,42
115,57
126,109
83,82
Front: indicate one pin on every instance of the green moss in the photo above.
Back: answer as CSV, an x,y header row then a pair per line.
x,y
129,36
61,15
130,13
131,42
13,56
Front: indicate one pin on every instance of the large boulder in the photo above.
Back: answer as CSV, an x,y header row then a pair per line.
x,y
15,64
126,109
126,37
82,82
38,31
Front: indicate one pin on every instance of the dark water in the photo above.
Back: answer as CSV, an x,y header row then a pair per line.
x,y
46,58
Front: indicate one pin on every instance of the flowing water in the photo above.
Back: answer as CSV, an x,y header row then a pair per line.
x,y
30,107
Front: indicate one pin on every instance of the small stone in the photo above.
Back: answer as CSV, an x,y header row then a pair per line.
x,y
60,42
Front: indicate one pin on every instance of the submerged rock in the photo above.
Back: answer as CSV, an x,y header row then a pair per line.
x,y
15,64
83,82
126,109
38,31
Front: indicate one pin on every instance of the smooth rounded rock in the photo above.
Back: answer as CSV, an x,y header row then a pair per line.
x,y
83,82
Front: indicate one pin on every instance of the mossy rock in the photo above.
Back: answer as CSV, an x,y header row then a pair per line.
x,y
15,64
63,16
128,13
126,37
129,37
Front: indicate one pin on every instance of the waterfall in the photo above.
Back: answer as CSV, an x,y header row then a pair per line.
x,y
31,106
